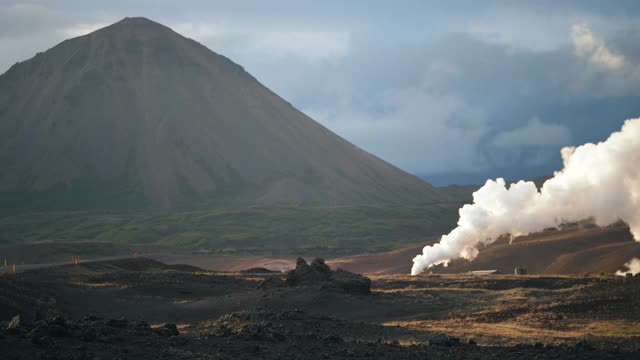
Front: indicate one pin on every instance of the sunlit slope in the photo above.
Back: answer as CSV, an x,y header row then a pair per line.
x,y
574,250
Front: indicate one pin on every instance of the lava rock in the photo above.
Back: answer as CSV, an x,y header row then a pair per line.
x,y
168,330
141,325
305,274
583,345
57,320
224,331
333,339
319,273
118,323
350,283
262,332
443,341
91,317
89,334
14,323
56,330
42,341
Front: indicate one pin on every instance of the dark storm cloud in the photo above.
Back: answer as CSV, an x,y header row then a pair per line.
x,y
453,91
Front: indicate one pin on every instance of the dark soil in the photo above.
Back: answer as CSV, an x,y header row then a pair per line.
x,y
143,309
257,335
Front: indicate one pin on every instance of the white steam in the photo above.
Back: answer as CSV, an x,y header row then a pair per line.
x,y
599,181
633,267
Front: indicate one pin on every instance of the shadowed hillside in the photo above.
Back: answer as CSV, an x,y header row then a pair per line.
x,y
136,116
366,228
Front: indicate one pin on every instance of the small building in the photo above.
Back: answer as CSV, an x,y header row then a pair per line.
x,y
484,272
520,270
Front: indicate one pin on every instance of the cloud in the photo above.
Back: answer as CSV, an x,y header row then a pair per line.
x,y
22,19
534,133
28,28
24,8
81,29
522,30
587,46
534,144
474,104
311,44
445,92
413,129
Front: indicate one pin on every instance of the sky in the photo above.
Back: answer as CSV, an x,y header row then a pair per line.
x,y
454,92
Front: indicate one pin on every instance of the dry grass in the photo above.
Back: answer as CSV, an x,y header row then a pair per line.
x,y
517,330
617,328
504,333
507,310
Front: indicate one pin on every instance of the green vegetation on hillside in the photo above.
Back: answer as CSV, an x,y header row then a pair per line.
x,y
274,228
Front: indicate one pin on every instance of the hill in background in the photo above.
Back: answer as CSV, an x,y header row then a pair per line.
x,y
574,249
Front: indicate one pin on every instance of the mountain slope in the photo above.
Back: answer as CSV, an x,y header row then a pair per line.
x,y
135,115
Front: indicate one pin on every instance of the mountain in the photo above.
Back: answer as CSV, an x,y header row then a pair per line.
x,y
135,115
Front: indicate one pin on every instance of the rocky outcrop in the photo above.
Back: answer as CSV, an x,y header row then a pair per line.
x,y
14,323
319,273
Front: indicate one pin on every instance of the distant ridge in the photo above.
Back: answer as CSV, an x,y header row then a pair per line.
x,y
135,115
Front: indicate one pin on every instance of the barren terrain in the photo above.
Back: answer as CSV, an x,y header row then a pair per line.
x,y
120,308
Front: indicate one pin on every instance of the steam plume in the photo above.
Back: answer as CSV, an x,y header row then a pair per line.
x,y
633,267
599,181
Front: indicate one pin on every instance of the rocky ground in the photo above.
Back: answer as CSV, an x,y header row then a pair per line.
x,y
142,309
257,335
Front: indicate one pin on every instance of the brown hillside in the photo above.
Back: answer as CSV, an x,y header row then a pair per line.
x,y
591,250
